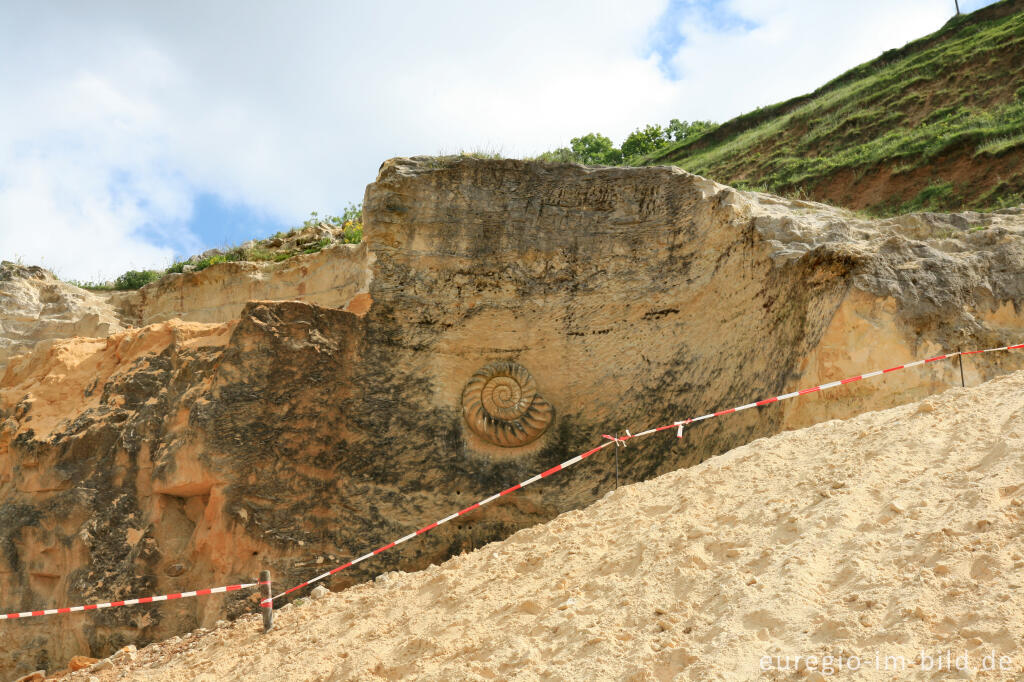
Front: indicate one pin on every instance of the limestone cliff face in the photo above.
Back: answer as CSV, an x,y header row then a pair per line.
x,y
36,306
330,278
513,313
39,307
638,298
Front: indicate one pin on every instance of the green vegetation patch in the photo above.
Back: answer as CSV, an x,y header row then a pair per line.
x,y
265,250
954,94
932,197
594,149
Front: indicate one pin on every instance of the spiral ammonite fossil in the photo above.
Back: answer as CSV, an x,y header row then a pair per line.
x,y
501,405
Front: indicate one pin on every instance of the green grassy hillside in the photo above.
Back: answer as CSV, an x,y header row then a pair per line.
x,y
935,125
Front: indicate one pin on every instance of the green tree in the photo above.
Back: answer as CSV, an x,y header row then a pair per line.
x,y
136,279
645,141
680,130
595,149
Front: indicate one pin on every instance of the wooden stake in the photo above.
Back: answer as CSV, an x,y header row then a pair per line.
x,y
266,605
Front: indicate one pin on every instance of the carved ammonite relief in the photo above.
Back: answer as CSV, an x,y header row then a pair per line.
x,y
501,405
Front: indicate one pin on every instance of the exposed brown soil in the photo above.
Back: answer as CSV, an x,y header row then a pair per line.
x,y
889,185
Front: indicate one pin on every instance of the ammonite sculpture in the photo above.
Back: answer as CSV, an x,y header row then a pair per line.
x,y
501,405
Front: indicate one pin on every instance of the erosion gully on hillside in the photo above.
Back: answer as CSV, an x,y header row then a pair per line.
x,y
566,302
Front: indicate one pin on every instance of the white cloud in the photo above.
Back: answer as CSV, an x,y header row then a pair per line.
x,y
118,114
794,48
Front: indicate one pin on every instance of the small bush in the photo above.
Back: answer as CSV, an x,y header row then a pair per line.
x,y
560,155
136,279
353,232
351,219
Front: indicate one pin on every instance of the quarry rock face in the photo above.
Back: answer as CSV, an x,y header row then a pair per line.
x,y
36,306
508,315
832,538
217,294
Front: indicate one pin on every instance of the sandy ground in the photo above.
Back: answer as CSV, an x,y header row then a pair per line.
x,y
891,534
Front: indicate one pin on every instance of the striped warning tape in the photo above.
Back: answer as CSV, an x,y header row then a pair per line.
x,y
621,441
609,440
127,602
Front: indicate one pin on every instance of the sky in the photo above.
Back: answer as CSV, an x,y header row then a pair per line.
x,y
133,133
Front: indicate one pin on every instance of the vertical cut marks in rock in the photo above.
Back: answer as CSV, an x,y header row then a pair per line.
x,y
501,405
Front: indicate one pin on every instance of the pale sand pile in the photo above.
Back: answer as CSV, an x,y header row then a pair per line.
x,y
886,534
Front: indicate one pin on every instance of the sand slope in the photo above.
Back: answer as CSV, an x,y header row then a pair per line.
x,y
885,534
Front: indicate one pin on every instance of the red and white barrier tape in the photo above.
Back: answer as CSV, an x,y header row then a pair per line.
x,y
616,440
621,441
127,602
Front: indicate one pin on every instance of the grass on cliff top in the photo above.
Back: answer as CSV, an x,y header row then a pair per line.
x,y
252,254
958,93
351,222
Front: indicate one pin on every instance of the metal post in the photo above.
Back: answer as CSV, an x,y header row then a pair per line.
x,y
960,356
266,603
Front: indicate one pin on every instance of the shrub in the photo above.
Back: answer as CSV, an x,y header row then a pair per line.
x,y
353,214
353,232
136,279
678,130
594,149
560,155
597,150
640,142
351,219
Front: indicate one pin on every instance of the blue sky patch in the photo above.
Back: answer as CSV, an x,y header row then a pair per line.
x,y
667,36
218,223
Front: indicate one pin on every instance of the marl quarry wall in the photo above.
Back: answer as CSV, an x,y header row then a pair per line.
x,y
564,302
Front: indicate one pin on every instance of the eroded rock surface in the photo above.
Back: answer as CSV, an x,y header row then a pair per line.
x,y
829,540
186,455
36,306
39,307
331,278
